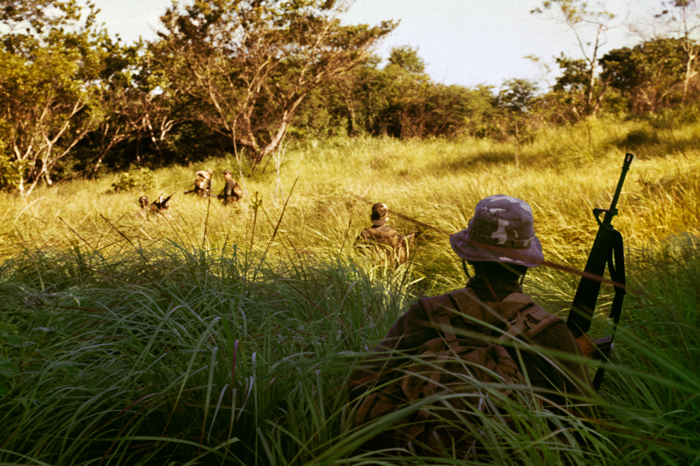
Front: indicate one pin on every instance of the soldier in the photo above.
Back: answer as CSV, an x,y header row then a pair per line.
x,y
202,183
148,209
232,192
382,236
500,245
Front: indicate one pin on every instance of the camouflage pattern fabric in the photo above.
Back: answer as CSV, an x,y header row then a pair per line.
x,y
449,346
384,242
501,230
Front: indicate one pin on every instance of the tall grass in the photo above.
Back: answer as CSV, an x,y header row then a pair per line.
x,y
170,356
227,335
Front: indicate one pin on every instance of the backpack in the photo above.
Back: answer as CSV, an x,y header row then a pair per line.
x,y
237,191
202,180
385,242
456,366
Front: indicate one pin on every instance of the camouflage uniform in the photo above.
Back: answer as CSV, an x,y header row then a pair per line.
x,y
232,192
382,240
500,234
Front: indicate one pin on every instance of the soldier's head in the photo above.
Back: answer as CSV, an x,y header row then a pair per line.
x,y
380,214
143,201
502,231
228,174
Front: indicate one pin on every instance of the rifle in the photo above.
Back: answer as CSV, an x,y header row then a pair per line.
x,y
607,250
161,203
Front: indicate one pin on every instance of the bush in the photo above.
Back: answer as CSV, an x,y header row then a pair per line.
x,y
127,182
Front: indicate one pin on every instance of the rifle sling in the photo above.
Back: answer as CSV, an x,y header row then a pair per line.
x,y
616,266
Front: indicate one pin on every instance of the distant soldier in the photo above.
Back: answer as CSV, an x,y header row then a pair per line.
x,y
382,239
202,183
148,209
232,192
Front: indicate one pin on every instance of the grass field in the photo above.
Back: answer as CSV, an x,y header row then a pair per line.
x,y
226,335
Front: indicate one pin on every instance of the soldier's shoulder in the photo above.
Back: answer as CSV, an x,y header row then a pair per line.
x,y
386,230
367,233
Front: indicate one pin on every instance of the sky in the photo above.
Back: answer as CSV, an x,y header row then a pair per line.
x,y
465,42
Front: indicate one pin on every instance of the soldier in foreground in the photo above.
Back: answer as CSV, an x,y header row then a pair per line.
x,y
232,192
382,239
202,183
439,345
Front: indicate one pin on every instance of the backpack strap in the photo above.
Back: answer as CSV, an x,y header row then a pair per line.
x,y
518,312
530,323
438,309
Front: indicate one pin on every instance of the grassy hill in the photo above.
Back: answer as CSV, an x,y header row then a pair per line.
x,y
221,335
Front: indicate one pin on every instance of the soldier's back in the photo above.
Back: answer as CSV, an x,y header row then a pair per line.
x,y
390,242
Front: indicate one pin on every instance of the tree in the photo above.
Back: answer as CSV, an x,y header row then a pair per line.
x,y
517,95
53,63
683,20
650,74
251,63
580,18
407,58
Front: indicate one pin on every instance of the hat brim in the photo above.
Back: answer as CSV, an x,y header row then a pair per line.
x,y
474,251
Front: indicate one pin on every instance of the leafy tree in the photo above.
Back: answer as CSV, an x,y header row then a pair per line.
x,y
249,64
574,76
407,58
580,18
682,18
517,95
55,68
650,75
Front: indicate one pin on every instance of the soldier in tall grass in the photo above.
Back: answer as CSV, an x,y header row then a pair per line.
x,y
202,183
474,349
232,191
383,240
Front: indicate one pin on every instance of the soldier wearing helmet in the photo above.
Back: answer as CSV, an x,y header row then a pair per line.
x,y
500,245
383,240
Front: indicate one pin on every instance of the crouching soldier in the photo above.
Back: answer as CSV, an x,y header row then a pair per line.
x,y
473,350
202,183
382,240
148,209
232,191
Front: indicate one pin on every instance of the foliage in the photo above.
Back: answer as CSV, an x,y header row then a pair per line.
x,y
128,182
249,65
650,74
59,77
585,22
182,355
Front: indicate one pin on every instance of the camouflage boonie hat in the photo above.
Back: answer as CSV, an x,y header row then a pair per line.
x,y
228,172
501,230
380,214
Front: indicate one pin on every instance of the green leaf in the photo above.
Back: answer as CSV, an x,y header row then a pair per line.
x,y
14,340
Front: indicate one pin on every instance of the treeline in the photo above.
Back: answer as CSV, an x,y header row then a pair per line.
x,y
240,76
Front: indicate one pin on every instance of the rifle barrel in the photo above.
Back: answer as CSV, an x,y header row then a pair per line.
x,y
612,211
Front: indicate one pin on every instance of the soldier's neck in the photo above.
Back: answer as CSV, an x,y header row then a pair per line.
x,y
486,287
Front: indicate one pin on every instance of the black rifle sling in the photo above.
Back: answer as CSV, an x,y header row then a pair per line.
x,y
616,266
